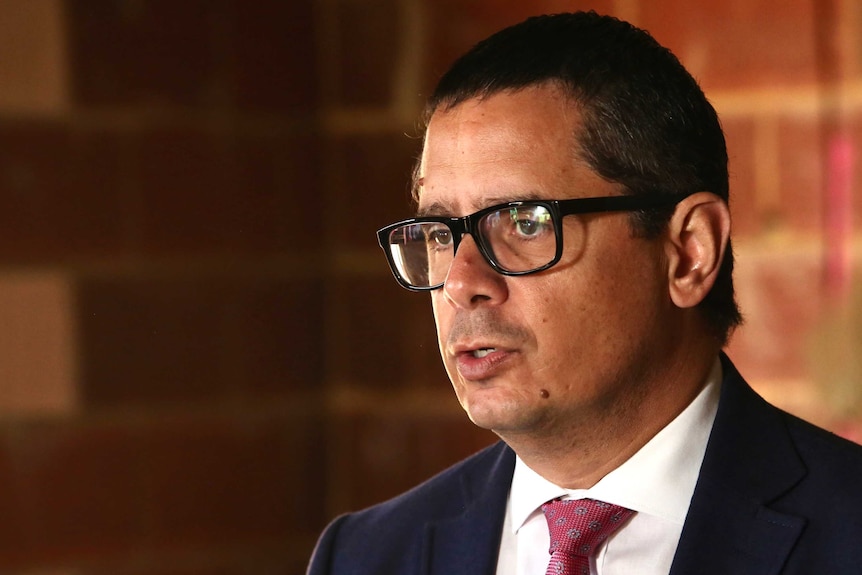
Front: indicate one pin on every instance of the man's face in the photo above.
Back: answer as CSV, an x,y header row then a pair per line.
x,y
567,346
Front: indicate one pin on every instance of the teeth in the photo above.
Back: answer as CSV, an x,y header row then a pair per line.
x,y
480,353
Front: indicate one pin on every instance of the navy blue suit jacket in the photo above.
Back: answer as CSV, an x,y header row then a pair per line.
x,y
774,495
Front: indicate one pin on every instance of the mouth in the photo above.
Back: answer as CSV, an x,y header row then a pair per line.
x,y
483,352
476,350
480,363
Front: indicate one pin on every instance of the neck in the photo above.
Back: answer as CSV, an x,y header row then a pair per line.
x,y
581,452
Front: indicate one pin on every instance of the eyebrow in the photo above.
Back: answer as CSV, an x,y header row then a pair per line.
x,y
440,209
436,209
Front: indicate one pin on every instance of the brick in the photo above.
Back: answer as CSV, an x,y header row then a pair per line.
x,y
16,530
221,193
385,338
455,26
776,174
277,336
372,185
155,53
34,70
781,294
385,455
38,344
188,188
209,565
738,44
803,155
166,340
218,493
853,133
275,55
367,63
744,206
215,480
77,490
61,192
277,195
151,341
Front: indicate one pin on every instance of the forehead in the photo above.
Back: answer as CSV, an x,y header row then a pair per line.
x,y
511,145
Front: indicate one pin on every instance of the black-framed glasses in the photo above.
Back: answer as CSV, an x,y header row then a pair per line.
x,y
515,238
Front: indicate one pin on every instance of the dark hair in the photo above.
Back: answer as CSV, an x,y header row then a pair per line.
x,y
646,123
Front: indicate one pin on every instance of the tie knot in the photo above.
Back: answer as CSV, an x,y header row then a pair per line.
x,y
578,526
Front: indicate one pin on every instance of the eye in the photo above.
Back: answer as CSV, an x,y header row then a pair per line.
x,y
529,222
526,226
439,237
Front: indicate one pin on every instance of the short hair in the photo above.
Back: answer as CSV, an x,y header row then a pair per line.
x,y
646,123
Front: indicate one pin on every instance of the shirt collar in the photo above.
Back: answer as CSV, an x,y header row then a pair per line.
x,y
659,479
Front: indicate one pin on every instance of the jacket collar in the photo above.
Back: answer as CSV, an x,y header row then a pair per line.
x,y
750,462
468,544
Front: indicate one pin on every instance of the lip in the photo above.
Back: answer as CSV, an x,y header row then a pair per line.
x,y
473,368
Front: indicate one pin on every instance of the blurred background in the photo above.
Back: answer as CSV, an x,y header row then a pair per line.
x,y
203,358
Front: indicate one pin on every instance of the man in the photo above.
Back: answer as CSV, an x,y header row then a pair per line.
x,y
574,234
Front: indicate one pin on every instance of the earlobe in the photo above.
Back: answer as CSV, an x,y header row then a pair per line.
x,y
699,231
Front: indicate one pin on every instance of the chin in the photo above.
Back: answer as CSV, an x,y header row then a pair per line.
x,y
482,419
498,415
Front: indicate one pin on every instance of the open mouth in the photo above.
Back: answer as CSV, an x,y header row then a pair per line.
x,y
480,353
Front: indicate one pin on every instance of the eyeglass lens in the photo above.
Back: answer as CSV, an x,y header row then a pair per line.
x,y
515,239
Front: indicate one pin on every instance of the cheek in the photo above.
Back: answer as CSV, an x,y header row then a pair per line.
x,y
442,314
437,306
570,313
550,312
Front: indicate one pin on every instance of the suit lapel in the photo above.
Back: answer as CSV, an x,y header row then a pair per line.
x,y
750,462
469,543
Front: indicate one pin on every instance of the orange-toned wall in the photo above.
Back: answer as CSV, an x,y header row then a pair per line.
x,y
203,357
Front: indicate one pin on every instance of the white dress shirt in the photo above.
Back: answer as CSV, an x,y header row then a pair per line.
x,y
657,482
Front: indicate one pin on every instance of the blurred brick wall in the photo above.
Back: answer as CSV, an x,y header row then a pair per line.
x,y
203,357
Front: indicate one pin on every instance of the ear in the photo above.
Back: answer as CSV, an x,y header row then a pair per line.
x,y
698,234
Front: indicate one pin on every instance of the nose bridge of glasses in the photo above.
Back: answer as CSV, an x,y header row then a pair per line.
x,y
460,227
471,225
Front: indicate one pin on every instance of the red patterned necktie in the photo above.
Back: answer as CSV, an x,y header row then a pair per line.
x,y
577,528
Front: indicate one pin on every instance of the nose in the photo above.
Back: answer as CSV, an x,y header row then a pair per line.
x,y
471,280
